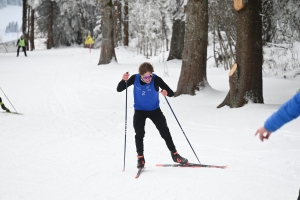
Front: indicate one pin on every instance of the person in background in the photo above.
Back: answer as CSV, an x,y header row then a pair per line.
x,y
3,106
21,43
287,112
146,105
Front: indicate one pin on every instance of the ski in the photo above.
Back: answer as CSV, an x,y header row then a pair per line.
x,y
139,172
193,165
16,113
13,113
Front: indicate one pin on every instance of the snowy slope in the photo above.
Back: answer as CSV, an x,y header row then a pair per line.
x,y
69,143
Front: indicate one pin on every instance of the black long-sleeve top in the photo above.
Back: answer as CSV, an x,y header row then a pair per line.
x,y
158,83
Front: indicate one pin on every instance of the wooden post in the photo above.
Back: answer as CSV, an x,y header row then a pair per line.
x,y
233,69
238,5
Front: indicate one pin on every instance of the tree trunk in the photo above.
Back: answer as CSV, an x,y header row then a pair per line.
x,y
146,47
80,18
117,23
24,18
107,46
177,40
125,24
193,69
28,27
268,26
31,38
50,27
246,76
164,30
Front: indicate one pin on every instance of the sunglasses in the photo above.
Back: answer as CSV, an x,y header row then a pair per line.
x,y
147,77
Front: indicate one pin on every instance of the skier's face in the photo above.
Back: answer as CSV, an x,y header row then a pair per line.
x,y
147,77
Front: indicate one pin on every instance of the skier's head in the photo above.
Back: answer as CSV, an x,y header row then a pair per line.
x,y
145,67
145,70
22,36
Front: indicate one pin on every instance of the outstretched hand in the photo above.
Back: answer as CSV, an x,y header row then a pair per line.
x,y
126,76
164,93
261,133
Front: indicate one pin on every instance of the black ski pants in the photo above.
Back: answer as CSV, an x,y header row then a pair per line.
x,y
158,118
2,104
24,49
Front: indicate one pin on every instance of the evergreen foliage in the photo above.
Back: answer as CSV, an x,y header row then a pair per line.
x,y
4,3
12,27
150,23
67,29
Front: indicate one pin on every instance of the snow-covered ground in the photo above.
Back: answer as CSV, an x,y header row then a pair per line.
x,y
69,143
10,14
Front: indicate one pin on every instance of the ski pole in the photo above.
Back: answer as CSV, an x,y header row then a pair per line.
x,y
125,127
9,100
182,129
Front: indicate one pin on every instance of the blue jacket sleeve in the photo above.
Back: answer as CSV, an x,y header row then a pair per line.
x,y
287,112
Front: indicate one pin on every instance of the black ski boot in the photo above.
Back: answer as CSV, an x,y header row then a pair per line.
x,y
177,158
141,161
3,106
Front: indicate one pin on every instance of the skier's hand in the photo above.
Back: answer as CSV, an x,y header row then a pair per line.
x,y
164,93
261,133
126,76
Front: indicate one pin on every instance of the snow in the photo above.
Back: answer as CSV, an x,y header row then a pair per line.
x,y
69,142
10,14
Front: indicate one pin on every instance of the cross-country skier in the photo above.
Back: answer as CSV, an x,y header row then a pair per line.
x,y
286,113
146,105
21,43
3,106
